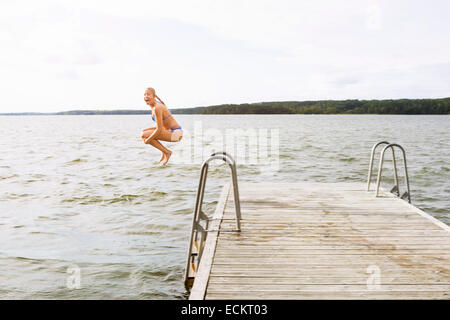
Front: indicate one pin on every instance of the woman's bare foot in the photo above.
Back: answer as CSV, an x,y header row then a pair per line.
x,y
167,156
162,157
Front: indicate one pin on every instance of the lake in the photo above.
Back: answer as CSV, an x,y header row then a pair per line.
x,y
86,212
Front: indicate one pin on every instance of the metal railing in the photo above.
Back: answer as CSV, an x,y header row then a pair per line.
x,y
372,154
396,188
407,193
199,231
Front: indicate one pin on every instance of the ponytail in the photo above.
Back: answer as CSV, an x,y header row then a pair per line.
x,y
159,99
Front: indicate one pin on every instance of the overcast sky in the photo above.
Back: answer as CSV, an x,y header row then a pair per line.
x,y
65,55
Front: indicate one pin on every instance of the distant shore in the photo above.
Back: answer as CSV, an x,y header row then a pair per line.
x,y
398,106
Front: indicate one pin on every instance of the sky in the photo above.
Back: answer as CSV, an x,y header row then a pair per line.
x,y
86,54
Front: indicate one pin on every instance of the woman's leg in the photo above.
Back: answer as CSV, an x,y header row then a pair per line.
x,y
171,136
159,146
166,153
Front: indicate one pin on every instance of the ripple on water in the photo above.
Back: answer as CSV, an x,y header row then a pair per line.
x,y
5,177
76,161
17,196
116,198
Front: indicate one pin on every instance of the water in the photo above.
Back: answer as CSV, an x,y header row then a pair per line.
x,y
83,193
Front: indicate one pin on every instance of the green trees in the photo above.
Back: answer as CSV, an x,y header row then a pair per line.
x,y
400,106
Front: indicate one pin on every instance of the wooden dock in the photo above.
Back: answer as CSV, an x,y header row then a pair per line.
x,y
322,241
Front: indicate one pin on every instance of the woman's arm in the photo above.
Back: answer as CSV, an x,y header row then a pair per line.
x,y
159,123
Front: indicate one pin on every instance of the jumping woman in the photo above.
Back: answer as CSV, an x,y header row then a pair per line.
x,y
167,128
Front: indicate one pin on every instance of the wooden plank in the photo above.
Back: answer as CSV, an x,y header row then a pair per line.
x,y
247,223
344,216
278,217
350,237
337,219
318,260
329,265
329,271
224,252
301,230
391,268
257,225
326,279
333,247
254,214
320,242
270,287
328,295
295,232
286,252
325,240
201,279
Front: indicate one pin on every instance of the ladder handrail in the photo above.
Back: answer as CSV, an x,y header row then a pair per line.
x,y
235,188
199,215
380,168
369,177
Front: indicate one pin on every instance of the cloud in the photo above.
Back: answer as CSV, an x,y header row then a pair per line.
x,y
210,52
344,81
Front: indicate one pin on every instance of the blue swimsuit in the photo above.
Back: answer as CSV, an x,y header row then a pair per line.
x,y
171,129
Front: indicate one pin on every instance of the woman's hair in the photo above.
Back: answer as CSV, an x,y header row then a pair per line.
x,y
154,93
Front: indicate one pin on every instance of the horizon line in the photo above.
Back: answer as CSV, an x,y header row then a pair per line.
x,y
215,105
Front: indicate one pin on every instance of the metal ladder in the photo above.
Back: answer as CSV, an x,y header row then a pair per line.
x,y
395,189
196,245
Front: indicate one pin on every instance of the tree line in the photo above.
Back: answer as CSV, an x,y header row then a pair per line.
x,y
397,106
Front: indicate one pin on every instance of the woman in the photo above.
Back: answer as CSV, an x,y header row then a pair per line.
x,y
167,128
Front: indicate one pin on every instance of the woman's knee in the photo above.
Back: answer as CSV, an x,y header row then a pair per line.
x,y
146,133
